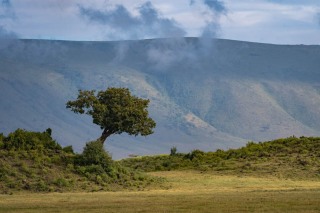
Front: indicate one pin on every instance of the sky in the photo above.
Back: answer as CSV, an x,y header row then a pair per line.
x,y
264,21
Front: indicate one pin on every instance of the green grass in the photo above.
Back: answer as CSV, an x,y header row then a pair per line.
x,y
190,191
275,176
293,158
34,162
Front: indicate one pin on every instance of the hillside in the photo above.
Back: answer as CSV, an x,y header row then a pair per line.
x,y
34,162
294,158
214,95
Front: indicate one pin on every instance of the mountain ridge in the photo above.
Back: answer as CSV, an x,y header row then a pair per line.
x,y
205,94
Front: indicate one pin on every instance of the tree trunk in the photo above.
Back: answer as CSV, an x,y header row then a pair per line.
x,y
104,136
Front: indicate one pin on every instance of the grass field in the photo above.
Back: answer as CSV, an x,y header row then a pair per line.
x,y
188,191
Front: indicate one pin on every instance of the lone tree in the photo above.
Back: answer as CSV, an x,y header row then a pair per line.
x,y
115,111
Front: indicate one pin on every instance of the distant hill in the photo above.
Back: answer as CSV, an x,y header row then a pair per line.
x,y
205,94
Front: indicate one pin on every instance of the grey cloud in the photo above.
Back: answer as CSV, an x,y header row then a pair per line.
x,y
7,35
163,26
171,51
36,53
182,51
117,18
6,10
6,38
211,30
148,24
6,3
216,6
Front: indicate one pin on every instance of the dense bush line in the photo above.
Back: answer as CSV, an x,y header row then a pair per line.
x,y
290,157
33,161
24,140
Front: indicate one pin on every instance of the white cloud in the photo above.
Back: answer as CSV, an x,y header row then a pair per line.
x,y
254,20
269,22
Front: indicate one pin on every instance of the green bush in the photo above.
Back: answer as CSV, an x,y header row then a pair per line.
x,y
68,149
94,169
94,154
173,151
272,157
33,161
1,140
61,182
198,154
25,140
40,186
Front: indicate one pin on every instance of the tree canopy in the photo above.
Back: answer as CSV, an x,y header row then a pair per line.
x,y
115,110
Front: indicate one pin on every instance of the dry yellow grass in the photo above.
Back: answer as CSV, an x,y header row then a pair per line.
x,y
213,182
190,192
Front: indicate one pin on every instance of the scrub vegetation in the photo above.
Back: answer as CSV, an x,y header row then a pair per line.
x,y
274,176
33,161
294,158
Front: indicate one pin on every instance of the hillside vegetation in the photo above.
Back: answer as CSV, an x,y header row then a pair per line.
x,y
295,158
33,161
190,191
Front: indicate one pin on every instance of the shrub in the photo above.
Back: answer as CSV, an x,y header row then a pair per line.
x,y
195,154
40,186
68,149
24,140
61,182
1,140
94,169
94,154
173,151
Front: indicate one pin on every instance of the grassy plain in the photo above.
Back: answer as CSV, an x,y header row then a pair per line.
x,y
188,191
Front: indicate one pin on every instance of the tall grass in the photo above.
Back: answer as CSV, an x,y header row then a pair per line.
x,y
189,192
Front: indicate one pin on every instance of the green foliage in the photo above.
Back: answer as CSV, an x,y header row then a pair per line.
x,y
195,154
1,140
49,131
68,149
291,157
25,140
34,162
40,186
96,164
173,151
115,110
94,154
62,182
